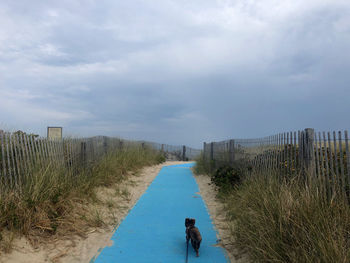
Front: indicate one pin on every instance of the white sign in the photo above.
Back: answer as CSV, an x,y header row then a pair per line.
x,y
54,132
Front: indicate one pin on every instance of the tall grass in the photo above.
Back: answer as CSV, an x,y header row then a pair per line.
x,y
284,221
202,166
288,222
52,199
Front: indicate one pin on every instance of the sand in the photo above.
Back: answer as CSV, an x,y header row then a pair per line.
x,y
218,216
111,210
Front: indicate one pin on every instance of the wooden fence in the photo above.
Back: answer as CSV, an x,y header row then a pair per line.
x,y
21,154
315,155
183,152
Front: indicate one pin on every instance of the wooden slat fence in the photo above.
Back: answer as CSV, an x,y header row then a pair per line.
x,y
22,154
314,155
183,152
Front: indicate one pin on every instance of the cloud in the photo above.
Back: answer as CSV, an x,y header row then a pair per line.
x,y
175,71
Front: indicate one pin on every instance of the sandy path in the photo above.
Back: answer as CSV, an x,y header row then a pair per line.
x,y
217,214
112,209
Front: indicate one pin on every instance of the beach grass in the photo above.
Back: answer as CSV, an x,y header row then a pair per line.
x,y
285,221
53,200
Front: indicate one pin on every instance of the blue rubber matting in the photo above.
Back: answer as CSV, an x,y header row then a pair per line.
x,y
154,230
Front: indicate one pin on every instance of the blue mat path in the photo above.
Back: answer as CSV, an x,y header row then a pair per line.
x,y
154,230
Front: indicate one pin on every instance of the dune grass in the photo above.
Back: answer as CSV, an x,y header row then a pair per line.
x,y
274,221
288,222
202,166
52,200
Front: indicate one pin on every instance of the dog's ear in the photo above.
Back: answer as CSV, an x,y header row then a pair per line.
x,y
187,222
193,221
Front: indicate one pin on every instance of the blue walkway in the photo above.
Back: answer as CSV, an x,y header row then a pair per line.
x,y
154,230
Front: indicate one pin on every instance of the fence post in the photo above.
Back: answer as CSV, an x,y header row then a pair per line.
x,y
92,149
212,165
309,156
2,145
232,151
204,151
105,144
184,153
83,153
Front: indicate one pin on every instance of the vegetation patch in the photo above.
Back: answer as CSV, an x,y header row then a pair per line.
x,y
275,220
54,202
278,221
226,177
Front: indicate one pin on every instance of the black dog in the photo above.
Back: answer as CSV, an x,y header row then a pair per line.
x,y
192,233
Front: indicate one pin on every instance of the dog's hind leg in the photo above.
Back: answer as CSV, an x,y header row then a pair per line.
x,y
195,246
196,249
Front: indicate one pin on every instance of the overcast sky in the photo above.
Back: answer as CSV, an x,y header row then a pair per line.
x,y
176,72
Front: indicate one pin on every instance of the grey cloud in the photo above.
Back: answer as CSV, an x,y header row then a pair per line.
x,y
175,71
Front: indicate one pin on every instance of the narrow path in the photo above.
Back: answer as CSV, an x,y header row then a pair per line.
x,y
154,230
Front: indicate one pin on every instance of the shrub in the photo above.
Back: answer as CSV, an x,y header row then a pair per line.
x,y
226,178
160,158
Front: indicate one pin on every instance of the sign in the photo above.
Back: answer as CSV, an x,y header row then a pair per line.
x,y
54,132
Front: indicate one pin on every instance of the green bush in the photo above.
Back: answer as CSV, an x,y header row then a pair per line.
x,y
160,158
226,178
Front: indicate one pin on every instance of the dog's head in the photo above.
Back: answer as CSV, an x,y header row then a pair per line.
x,y
190,222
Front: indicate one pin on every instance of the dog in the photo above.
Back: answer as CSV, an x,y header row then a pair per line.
x,y
193,234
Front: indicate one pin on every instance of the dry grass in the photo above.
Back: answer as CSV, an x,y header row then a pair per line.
x,y
202,166
54,203
274,221
287,222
